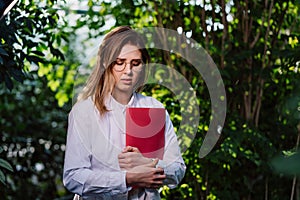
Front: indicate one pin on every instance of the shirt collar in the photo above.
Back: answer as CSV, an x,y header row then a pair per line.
x,y
113,104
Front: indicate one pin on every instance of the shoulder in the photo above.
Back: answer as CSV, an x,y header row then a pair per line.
x,y
148,101
83,107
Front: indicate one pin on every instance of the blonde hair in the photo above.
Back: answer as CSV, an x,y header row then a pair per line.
x,y
101,81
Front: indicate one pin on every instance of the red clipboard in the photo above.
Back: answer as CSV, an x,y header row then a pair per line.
x,y
145,129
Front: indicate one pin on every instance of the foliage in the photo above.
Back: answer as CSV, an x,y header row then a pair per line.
x,y
33,35
33,140
34,44
255,44
27,35
288,164
4,164
256,47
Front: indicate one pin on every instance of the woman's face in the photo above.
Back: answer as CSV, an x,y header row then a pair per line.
x,y
127,70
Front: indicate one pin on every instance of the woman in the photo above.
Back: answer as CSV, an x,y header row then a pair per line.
x,y
98,164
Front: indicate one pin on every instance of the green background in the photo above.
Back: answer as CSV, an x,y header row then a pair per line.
x,y
255,45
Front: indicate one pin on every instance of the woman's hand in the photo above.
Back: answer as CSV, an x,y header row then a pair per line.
x,y
146,176
131,157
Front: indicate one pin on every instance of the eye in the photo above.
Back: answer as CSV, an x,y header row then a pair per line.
x,y
136,62
119,62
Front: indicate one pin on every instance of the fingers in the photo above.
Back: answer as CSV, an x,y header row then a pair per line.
x,y
157,182
146,176
128,155
136,150
130,149
159,178
124,163
121,156
153,163
159,174
127,149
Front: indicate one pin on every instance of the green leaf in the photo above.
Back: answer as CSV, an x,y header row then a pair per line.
x,y
8,82
17,74
34,59
39,53
6,165
2,177
287,165
3,52
57,53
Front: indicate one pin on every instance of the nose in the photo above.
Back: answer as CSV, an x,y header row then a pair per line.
x,y
128,69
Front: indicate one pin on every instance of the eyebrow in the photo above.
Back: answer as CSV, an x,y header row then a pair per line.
x,y
123,59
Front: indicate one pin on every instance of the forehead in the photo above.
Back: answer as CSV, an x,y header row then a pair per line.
x,y
130,51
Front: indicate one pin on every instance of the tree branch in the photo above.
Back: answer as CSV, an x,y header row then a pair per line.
x,y
295,177
224,35
267,34
281,18
204,27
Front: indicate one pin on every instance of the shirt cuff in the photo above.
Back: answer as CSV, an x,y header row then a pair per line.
x,y
128,188
161,164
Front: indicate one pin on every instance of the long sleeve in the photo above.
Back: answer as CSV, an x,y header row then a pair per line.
x,y
79,175
91,167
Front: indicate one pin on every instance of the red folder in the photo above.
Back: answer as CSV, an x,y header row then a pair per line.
x,y
145,129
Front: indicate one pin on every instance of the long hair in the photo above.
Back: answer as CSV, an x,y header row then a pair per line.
x,y
101,81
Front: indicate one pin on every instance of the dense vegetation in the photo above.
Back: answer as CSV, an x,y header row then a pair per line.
x,y
255,45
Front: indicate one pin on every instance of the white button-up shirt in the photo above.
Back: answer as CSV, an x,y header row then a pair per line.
x,y
91,167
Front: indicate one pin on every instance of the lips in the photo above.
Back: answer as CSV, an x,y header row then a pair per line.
x,y
126,80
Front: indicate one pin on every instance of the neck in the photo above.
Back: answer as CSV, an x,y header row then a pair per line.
x,y
122,98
